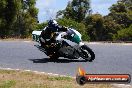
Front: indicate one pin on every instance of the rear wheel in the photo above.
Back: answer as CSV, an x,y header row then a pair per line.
x,y
88,54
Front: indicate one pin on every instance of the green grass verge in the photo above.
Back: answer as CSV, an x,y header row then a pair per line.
x,y
21,79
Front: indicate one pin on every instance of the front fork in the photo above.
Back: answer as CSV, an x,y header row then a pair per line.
x,y
81,51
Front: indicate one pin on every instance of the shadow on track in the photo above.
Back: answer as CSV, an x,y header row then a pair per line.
x,y
46,60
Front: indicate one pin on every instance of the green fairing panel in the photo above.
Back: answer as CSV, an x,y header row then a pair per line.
x,y
76,39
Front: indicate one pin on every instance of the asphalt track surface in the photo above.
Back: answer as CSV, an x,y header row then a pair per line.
x,y
110,58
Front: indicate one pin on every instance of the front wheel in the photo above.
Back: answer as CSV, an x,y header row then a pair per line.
x,y
88,54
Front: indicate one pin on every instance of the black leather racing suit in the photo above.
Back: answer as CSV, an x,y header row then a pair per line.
x,y
46,34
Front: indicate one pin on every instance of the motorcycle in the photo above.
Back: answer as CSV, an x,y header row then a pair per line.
x,y
67,49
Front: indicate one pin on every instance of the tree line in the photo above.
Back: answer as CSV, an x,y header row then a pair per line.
x,y
116,26
19,18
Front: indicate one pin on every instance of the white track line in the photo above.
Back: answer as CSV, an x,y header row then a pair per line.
x,y
94,43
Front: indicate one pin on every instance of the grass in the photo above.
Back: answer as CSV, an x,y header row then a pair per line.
x,y
59,78
7,84
21,79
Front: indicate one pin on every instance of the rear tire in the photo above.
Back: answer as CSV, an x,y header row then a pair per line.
x,y
86,51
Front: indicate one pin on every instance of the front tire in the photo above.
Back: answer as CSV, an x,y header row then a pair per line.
x,y
88,54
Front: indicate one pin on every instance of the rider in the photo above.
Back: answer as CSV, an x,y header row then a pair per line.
x,y
47,33
52,27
